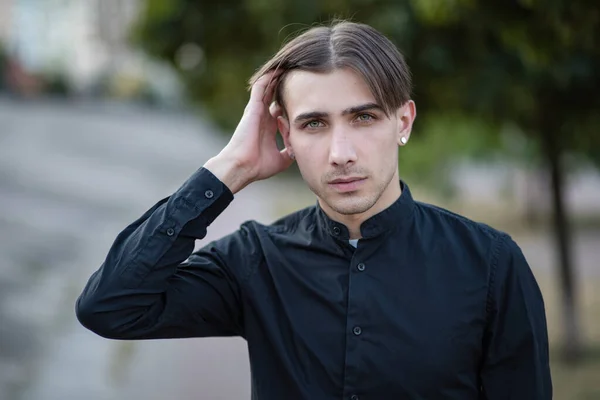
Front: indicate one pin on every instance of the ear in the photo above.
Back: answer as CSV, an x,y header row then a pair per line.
x,y
405,116
284,128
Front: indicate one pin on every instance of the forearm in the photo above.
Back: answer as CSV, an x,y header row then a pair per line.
x,y
127,294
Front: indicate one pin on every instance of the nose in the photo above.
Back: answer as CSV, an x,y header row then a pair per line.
x,y
341,149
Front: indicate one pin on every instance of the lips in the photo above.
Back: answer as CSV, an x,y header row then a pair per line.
x,y
345,185
345,180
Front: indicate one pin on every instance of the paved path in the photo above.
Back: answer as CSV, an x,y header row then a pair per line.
x,y
71,177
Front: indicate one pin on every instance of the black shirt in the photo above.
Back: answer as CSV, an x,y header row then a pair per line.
x,y
430,305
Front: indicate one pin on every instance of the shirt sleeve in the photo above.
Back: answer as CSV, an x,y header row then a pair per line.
x,y
151,286
516,361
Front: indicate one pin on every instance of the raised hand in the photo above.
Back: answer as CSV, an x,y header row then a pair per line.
x,y
252,153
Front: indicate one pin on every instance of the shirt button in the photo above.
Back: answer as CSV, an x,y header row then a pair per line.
x,y
357,331
361,267
354,397
170,232
209,194
336,230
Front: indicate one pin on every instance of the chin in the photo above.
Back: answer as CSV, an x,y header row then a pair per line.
x,y
351,204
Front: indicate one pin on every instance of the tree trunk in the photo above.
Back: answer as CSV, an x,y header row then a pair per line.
x,y
571,347
535,204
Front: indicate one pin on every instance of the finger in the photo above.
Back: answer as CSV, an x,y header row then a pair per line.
x,y
260,86
275,110
258,89
285,159
269,93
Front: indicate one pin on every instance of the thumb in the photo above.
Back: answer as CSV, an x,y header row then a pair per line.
x,y
286,159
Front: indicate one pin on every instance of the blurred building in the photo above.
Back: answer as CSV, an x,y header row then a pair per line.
x,y
84,41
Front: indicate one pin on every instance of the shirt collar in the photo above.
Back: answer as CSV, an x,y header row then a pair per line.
x,y
397,214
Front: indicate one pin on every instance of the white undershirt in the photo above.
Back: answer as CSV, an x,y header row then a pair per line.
x,y
353,242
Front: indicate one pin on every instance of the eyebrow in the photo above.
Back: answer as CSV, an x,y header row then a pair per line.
x,y
347,111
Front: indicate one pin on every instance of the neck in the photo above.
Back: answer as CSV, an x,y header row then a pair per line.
x,y
354,221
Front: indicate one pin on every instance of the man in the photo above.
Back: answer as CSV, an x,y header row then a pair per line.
x,y
369,294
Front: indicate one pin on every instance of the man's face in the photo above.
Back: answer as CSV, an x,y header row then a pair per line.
x,y
345,146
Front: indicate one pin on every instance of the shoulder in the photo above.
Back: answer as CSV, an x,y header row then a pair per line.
x,y
449,222
303,219
498,249
463,235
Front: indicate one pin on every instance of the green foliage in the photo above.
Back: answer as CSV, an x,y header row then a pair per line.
x,y
523,62
478,65
428,159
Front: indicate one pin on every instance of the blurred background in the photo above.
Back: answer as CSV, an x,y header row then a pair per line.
x,y
108,106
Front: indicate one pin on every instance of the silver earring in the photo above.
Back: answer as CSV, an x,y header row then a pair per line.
x,y
403,139
292,156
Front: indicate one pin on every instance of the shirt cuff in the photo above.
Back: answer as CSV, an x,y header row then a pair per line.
x,y
204,197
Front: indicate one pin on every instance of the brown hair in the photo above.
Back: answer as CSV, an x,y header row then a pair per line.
x,y
346,44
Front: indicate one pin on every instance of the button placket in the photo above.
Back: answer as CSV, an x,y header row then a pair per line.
x,y
355,316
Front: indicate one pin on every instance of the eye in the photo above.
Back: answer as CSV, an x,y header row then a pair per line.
x,y
365,118
313,124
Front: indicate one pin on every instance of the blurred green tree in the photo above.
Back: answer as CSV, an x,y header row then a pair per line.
x,y
529,63
532,64
479,66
